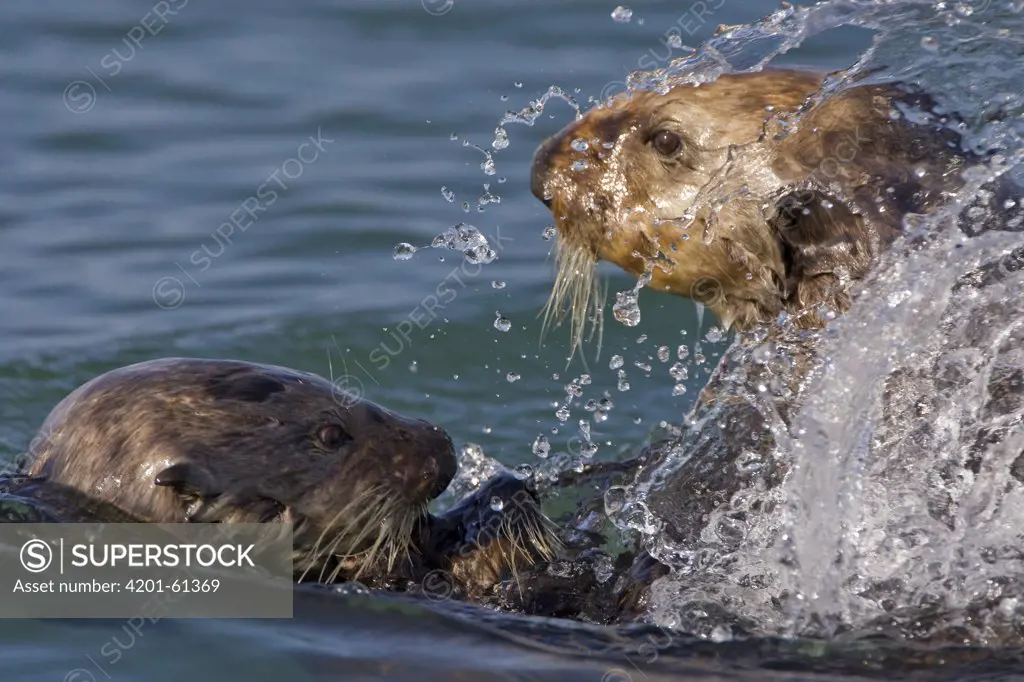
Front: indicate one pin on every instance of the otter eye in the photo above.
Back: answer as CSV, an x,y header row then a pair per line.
x,y
332,436
666,143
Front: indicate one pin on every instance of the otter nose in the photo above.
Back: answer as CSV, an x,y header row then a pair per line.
x,y
541,168
428,476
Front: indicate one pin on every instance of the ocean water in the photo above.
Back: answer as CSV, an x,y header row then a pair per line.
x,y
135,136
125,155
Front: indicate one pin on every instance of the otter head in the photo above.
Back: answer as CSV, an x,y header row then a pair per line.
x,y
490,535
187,439
719,193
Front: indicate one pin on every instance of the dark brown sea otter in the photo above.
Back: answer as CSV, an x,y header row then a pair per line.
x,y
182,439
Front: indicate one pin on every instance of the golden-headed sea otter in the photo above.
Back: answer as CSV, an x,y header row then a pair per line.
x,y
765,196
720,195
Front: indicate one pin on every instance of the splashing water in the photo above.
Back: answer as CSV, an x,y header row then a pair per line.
x,y
461,237
876,483
875,475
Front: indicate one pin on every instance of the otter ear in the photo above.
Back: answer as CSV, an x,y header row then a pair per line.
x,y
188,480
822,242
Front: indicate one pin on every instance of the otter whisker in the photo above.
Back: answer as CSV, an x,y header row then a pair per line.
x,y
366,504
510,559
398,542
576,293
371,554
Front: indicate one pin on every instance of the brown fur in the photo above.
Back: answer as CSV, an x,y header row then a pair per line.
x,y
239,426
225,441
750,216
182,439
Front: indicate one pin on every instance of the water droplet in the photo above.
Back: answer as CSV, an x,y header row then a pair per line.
x,y
518,84
643,365
623,383
678,389
497,504
678,372
638,517
683,352
585,380
523,472
487,197
413,367
641,338
467,239
614,500
626,309
453,137
663,353
622,14
616,362
502,324
579,144
404,251
541,446
512,377
714,335
573,389
448,194
549,233
480,254
486,429
500,138
562,413
497,284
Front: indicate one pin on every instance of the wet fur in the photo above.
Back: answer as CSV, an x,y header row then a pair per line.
x,y
752,216
789,240
219,441
181,439
481,546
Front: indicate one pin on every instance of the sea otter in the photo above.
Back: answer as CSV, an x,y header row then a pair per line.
x,y
198,440
746,193
769,200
